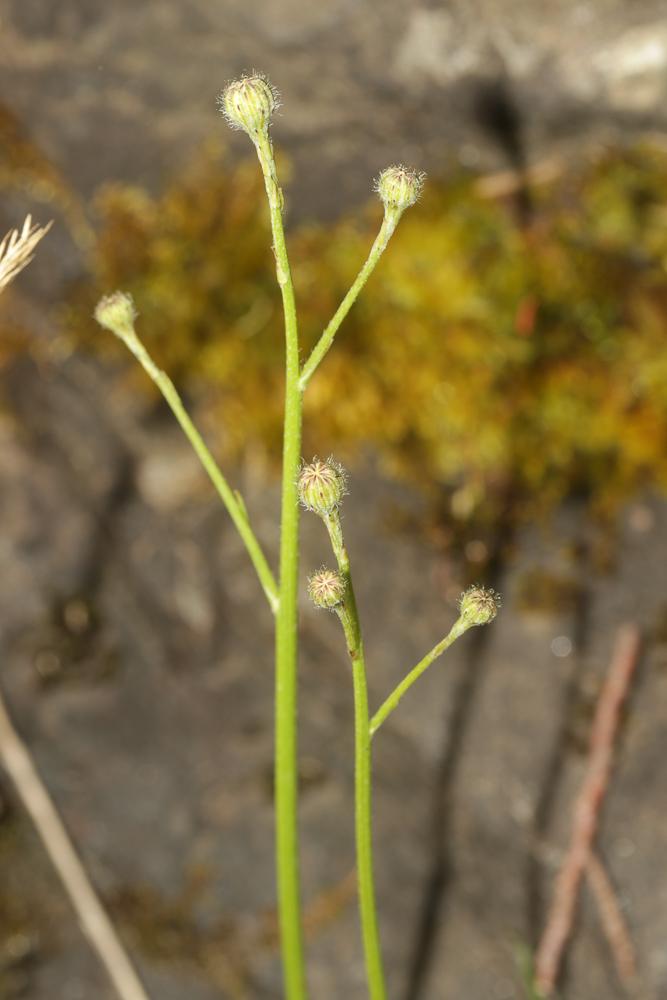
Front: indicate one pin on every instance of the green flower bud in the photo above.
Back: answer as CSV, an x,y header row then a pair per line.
x,y
116,312
399,187
248,104
326,589
322,486
478,606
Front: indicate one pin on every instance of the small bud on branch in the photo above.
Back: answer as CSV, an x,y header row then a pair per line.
x,y
478,606
326,589
399,187
248,104
116,312
322,486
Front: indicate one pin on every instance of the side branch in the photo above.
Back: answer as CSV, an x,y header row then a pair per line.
x,y
327,337
116,313
477,606
392,701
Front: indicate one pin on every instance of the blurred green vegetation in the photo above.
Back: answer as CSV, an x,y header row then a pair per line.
x,y
492,361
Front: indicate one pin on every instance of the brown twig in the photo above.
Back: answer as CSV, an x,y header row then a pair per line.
x,y
92,916
587,809
613,921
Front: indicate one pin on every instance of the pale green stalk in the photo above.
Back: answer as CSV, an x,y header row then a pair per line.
x,y
392,701
230,499
349,617
388,226
286,771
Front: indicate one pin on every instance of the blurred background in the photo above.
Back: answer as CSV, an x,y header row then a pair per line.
x,y
499,395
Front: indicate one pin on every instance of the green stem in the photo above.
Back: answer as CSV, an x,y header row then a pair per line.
x,y
230,499
349,617
363,810
326,339
392,701
286,790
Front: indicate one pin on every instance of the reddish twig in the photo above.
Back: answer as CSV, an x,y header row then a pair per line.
x,y
613,921
587,809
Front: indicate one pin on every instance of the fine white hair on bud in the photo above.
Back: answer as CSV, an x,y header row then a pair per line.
x,y
248,103
478,605
322,486
399,187
326,589
116,312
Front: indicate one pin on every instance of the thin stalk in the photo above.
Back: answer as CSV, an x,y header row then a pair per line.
x,y
326,339
392,701
231,500
349,617
286,791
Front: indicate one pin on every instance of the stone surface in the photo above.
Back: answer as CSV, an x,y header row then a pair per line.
x,y
136,656
128,91
135,646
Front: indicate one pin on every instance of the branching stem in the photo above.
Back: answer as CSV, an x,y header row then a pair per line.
x,y
392,701
349,617
235,506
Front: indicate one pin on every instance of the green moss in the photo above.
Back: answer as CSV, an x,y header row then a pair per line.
x,y
547,593
536,355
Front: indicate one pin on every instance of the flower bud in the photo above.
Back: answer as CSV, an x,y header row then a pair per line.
x,y
326,589
399,187
322,486
116,312
478,606
248,104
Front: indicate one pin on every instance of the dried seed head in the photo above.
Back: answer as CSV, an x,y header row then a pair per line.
x,y
17,249
478,606
322,486
399,187
248,104
116,312
326,589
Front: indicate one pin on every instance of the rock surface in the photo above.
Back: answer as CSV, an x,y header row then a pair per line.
x,y
136,655
135,647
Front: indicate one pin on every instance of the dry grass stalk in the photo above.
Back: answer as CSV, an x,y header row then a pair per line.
x,y
92,916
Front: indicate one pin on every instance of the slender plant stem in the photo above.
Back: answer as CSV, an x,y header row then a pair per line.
x,y
286,790
392,701
326,339
349,617
230,499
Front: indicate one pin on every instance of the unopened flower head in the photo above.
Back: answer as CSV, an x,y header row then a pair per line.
x,y
116,312
478,606
248,104
322,486
326,589
399,187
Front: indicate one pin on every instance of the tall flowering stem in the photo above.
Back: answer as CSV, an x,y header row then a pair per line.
x,y
248,104
285,763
